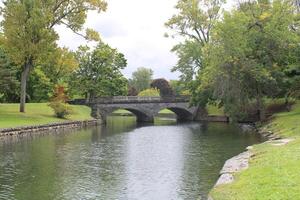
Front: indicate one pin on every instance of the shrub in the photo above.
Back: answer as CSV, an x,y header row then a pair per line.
x,y
61,110
163,86
152,92
58,102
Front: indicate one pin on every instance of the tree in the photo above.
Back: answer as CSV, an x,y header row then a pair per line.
x,y
99,72
29,34
247,56
194,23
132,91
7,74
163,86
141,78
178,87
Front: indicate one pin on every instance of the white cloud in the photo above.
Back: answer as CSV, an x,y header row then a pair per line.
x,y
136,28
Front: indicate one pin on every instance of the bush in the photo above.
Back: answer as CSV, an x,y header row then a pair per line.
x,y
58,102
61,110
152,92
163,86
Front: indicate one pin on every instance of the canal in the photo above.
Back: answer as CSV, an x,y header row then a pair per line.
x,y
122,160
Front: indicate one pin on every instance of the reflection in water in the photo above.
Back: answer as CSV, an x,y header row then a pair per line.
x,y
120,161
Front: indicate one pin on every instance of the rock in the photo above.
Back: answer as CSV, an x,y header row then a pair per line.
x,y
237,163
225,179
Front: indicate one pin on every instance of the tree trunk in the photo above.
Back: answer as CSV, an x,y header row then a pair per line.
x,y
24,78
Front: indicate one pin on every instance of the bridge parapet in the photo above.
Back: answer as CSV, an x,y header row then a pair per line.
x,y
135,99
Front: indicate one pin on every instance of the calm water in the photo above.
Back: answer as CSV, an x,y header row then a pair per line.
x,y
121,161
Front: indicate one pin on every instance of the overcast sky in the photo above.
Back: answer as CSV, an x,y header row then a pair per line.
x,y
136,28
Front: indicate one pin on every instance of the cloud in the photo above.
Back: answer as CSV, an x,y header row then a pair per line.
x,y
136,28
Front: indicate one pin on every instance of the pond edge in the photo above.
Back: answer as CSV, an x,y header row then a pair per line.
x,y
6,132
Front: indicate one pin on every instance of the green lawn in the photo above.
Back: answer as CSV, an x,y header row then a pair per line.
x,y
274,172
36,114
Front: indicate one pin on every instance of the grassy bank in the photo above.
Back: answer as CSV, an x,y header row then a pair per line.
x,y
274,170
36,114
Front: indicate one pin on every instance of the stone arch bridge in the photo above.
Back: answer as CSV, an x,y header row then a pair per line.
x,y
144,108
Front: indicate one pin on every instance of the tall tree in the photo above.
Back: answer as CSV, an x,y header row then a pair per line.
x,y
141,78
99,72
28,28
193,23
248,54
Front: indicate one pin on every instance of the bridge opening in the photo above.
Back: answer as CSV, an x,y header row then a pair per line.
x,y
179,114
129,112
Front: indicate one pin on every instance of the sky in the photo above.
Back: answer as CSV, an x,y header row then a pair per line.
x,y
136,28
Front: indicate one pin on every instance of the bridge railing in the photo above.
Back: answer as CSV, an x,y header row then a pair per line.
x,y
131,99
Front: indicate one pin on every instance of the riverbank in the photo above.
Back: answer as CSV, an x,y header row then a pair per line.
x,y
38,114
273,171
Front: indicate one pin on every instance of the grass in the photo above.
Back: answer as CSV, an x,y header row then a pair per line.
x,y
274,170
36,114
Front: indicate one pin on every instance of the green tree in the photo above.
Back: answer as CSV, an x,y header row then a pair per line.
x,y
29,34
164,87
141,78
7,75
247,56
193,23
99,72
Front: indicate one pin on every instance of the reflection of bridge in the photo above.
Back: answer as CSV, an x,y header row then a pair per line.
x,y
145,108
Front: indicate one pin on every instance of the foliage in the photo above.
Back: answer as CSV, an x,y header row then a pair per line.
x,y
163,86
247,55
151,92
141,79
132,91
29,34
179,87
193,22
99,72
58,102
8,75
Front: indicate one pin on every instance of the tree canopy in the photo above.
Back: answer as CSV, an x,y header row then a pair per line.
x,y
141,79
99,72
29,34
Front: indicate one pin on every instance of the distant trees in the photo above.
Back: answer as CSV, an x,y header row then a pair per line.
x,y
163,86
141,79
8,75
99,72
29,34
132,91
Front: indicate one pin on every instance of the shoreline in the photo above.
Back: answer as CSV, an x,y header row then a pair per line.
x,y
22,130
240,162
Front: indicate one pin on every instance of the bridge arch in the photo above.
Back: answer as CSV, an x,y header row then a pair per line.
x,y
102,111
144,108
182,114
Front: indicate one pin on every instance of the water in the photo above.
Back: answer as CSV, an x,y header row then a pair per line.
x,y
121,161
